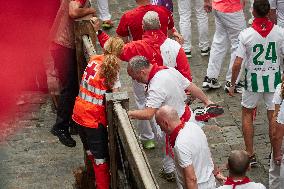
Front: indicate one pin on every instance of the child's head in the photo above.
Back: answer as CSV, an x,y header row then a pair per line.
x,y
261,8
238,163
110,66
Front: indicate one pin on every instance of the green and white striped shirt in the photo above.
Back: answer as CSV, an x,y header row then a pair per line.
x,y
263,56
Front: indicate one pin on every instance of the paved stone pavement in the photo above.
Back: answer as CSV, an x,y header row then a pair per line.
x,y
30,157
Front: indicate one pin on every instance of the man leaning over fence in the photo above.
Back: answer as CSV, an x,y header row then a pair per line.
x,y
194,164
165,86
159,49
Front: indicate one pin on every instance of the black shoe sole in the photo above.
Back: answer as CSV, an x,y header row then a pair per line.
x,y
53,131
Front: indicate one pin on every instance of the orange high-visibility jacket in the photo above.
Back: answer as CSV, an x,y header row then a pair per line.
x,y
89,108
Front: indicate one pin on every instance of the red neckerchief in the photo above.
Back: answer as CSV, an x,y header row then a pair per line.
x,y
184,118
186,115
154,70
230,181
174,134
262,25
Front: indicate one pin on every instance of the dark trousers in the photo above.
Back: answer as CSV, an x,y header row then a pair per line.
x,y
65,63
95,140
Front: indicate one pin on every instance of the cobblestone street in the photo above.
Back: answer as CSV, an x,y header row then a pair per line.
x,y
31,157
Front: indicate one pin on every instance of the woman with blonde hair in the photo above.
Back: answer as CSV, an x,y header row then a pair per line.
x,y
100,77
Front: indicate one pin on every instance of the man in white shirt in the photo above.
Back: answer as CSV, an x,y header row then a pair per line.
x,y
165,86
238,165
194,165
262,45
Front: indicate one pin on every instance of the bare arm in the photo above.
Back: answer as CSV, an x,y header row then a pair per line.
x,y
177,36
77,11
277,142
235,72
198,93
145,114
190,177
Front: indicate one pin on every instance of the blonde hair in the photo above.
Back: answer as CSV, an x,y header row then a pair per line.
x,y
110,66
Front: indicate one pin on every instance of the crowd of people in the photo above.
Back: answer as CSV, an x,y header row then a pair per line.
x,y
158,63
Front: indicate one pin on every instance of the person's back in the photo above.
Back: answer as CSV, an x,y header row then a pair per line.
x,y
191,148
250,185
171,85
238,165
131,22
263,52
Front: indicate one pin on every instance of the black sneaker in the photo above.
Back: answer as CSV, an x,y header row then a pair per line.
x,y
188,54
238,87
205,52
64,137
210,83
252,161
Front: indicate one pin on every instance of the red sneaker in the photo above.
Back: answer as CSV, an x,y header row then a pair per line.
x,y
210,111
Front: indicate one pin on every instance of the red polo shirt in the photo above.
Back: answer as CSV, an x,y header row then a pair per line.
x,y
131,22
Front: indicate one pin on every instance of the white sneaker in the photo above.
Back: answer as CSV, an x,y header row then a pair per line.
x,y
210,83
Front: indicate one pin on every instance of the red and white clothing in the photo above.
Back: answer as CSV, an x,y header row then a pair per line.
x,y
228,28
166,87
160,50
157,48
130,24
248,185
191,148
229,22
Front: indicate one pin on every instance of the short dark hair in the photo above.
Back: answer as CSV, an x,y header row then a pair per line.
x,y
261,7
238,162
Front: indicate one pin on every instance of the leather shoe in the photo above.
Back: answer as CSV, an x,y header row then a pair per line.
x,y
64,137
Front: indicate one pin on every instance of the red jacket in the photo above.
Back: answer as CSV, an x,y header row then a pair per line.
x,y
157,48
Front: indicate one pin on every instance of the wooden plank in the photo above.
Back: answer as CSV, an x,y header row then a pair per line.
x,y
135,154
112,144
83,28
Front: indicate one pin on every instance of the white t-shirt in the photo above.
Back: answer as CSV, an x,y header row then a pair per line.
x,y
277,99
264,56
191,148
167,88
250,185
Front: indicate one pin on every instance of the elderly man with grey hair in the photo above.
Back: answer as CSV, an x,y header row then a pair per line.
x,y
158,49
165,86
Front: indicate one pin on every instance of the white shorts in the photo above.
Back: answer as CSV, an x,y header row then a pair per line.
x,y
251,99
